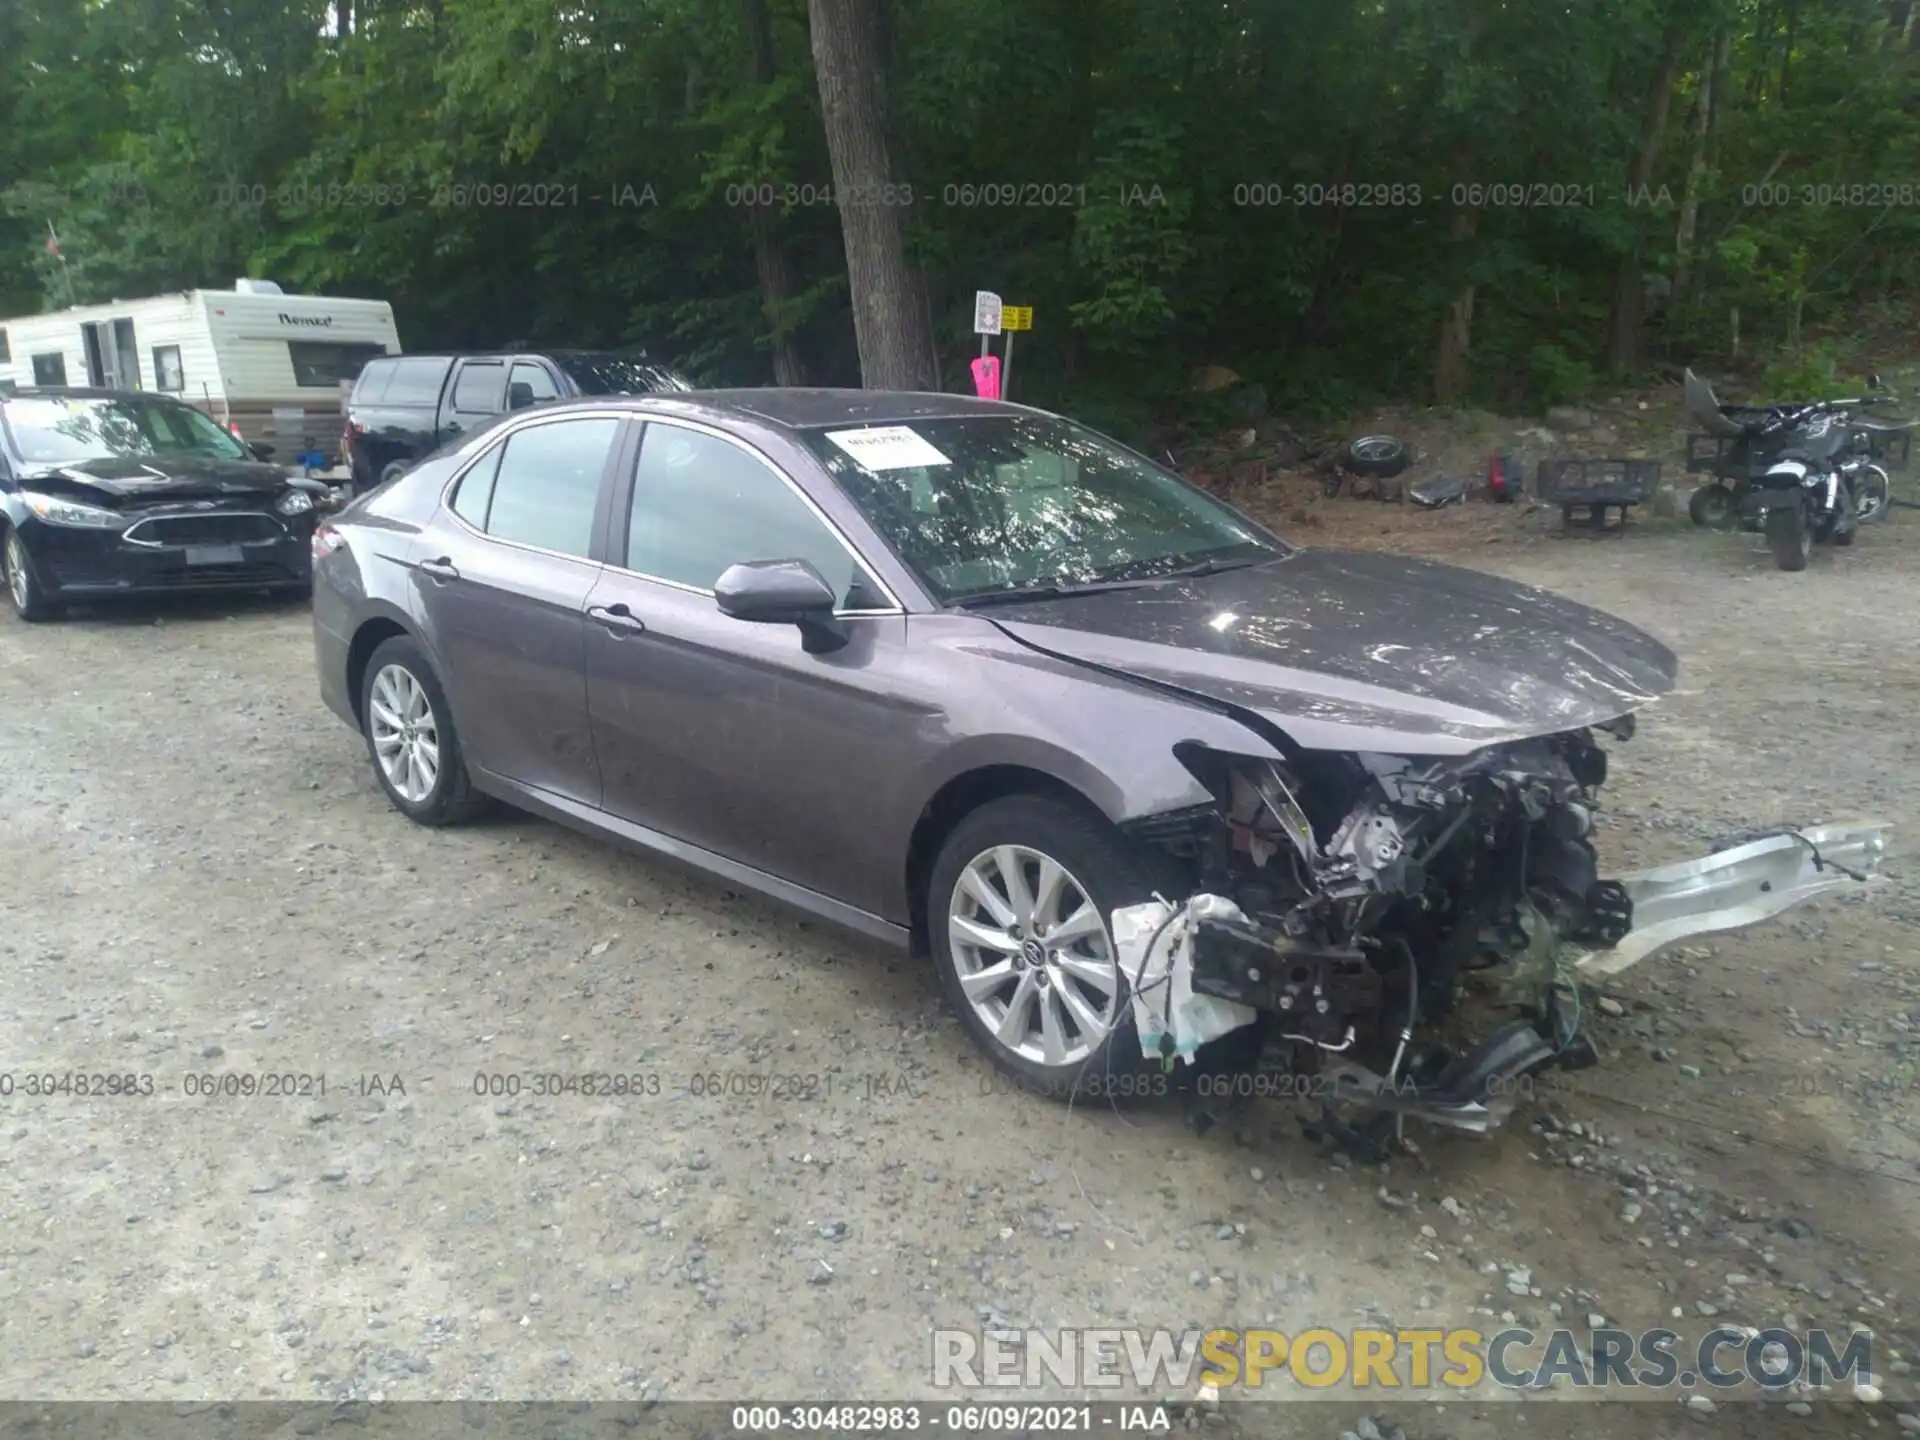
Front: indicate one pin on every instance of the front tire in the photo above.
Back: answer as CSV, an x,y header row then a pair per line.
x,y
411,738
1789,538
24,590
1017,911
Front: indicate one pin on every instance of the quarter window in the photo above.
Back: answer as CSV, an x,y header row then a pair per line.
x,y
701,504
545,485
475,494
50,369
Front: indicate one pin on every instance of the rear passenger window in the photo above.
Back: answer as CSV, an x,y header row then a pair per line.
x,y
546,484
476,391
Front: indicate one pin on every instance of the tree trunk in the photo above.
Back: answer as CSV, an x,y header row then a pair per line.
x,y
1623,346
770,261
1701,127
1786,55
889,324
1450,367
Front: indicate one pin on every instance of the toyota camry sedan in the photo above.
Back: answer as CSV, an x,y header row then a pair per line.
x,y
971,678
106,494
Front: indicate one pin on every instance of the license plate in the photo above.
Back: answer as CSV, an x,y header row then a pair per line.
x,y
214,555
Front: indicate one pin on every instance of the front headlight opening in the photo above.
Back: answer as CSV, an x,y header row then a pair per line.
x,y
294,502
75,513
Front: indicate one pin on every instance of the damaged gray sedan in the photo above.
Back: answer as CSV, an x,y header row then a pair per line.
x,y
1151,785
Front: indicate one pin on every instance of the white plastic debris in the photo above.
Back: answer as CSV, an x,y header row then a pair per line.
x,y
1164,1002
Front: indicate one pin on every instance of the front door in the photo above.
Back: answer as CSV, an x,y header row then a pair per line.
x,y
501,580
727,734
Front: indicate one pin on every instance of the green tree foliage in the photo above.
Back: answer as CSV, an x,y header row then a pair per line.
x,y
1344,199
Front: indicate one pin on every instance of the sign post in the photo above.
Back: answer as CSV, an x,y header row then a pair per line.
x,y
1012,318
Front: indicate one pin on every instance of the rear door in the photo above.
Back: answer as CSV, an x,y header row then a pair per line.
x,y
501,579
476,393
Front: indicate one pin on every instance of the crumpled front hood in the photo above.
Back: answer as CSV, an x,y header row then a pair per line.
x,y
162,477
1363,651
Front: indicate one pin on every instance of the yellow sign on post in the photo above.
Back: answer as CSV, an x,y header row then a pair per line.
x,y
1016,317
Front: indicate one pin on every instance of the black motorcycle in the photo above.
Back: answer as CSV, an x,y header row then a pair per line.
x,y
1803,474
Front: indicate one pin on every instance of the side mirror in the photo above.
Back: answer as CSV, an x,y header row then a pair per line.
x,y
519,395
261,450
782,592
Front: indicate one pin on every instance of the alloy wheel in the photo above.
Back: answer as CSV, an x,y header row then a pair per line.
x,y
1033,955
405,732
17,571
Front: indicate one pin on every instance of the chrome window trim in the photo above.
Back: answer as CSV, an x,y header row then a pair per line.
x,y
506,433
866,569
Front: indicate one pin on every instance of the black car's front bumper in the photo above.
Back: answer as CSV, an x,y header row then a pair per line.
x,y
167,552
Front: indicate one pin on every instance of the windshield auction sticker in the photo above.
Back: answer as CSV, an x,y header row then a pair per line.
x,y
888,447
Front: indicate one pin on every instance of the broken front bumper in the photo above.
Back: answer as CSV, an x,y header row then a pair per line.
x,y
1748,882
1737,887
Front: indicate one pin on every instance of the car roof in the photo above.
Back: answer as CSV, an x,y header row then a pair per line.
x,y
85,392
563,353
796,409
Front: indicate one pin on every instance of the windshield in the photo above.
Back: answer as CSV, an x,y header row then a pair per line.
x,y
613,374
984,504
63,429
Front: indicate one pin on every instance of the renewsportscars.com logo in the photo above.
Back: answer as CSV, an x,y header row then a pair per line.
x,y
1614,1360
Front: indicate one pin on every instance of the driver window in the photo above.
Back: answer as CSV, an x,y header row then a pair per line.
x,y
701,504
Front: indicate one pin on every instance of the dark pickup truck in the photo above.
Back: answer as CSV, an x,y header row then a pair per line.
x,y
405,406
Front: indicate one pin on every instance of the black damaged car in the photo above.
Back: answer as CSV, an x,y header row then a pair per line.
x,y
111,493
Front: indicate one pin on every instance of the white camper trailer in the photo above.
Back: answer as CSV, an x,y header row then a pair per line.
x,y
273,364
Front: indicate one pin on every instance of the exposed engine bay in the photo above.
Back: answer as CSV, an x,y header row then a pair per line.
x,y
1341,899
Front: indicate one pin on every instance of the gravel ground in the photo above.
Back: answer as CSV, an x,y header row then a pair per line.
x,y
203,881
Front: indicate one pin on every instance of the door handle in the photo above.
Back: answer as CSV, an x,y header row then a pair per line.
x,y
441,569
617,618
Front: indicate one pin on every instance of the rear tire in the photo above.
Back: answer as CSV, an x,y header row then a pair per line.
x,y
1711,507
1045,994
413,708
393,469
1789,538
24,591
